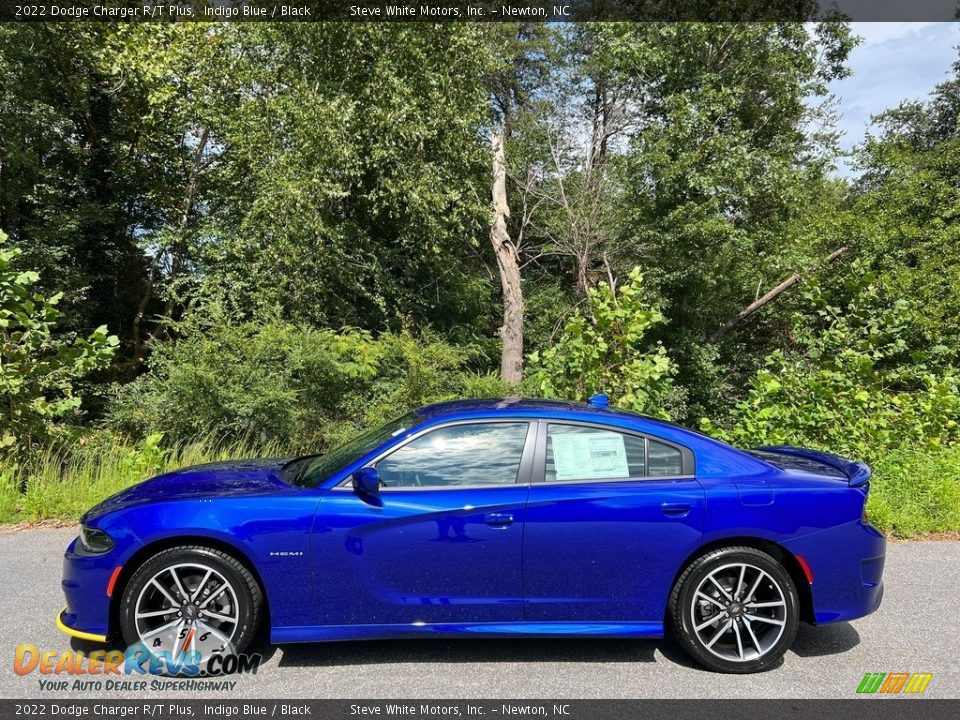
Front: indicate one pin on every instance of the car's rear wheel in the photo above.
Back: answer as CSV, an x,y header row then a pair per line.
x,y
735,610
191,599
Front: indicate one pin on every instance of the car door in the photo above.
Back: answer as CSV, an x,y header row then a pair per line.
x,y
610,517
441,542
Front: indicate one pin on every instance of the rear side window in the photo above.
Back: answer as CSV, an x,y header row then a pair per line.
x,y
576,452
663,460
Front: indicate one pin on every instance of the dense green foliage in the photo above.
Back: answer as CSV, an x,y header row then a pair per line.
x,y
261,238
871,365
851,388
38,367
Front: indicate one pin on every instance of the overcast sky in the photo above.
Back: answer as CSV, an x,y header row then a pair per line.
x,y
894,62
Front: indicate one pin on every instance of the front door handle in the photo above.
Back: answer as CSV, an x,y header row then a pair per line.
x,y
498,519
675,509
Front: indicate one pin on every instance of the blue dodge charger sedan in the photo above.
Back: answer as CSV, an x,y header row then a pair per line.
x,y
486,517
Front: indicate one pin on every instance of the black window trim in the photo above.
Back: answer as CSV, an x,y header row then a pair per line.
x,y
526,467
539,472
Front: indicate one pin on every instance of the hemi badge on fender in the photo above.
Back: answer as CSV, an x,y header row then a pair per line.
x,y
285,553
113,579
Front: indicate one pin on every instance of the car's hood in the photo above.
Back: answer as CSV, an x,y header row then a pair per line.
x,y
212,480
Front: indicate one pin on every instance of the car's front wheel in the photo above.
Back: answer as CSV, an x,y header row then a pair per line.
x,y
735,610
191,599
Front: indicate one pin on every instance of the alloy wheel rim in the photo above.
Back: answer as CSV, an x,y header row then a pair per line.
x,y
738,612
185,609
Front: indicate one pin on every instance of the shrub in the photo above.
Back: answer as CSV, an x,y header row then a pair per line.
x,y
267,383
604,350
300,388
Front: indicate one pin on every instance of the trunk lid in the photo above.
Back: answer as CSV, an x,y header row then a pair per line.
x,y
817,461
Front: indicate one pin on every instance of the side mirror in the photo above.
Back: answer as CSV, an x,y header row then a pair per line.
x,y
367,481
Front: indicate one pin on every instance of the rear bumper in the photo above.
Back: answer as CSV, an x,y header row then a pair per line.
x,y
847,564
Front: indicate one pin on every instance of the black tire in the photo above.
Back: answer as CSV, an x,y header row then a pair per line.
x,y
735,651
246,590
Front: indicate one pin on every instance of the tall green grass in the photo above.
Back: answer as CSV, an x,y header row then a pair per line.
x,y
61,484
916,492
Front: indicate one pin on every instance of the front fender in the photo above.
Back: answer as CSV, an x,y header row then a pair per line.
x,y
271,535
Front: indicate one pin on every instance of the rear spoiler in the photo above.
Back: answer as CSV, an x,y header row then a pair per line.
x,y
858,473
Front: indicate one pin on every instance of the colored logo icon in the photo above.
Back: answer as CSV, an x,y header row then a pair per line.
x,y
894,683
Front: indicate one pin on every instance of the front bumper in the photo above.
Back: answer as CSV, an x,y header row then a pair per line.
x,y
64,619
85,583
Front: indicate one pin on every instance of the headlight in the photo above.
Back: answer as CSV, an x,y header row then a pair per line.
x,y
95,541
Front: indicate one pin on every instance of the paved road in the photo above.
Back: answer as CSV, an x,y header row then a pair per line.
x,y
916,630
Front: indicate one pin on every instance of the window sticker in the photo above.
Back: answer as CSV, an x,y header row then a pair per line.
x,y
587,456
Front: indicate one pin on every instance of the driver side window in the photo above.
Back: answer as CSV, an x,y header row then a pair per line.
x,y
470,454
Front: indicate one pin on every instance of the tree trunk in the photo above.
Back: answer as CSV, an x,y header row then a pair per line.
x,y
508,263
139,346
583,273
177,252
177,249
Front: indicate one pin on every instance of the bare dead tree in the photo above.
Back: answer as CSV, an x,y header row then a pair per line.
x,y
574,186
508,263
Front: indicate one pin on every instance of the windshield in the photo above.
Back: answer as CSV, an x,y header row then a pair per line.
x,y
311,470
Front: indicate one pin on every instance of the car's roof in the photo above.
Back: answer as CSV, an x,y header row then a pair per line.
x,y
519,405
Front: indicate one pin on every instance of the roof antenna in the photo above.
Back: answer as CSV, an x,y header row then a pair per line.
x,y
599,400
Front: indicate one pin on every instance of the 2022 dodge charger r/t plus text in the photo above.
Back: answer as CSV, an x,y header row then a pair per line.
x,y
487,517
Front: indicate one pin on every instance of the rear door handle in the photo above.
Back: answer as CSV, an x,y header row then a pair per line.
x,y
673,509
498,519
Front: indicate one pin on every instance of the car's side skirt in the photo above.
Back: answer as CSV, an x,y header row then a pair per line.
x,y
321,633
